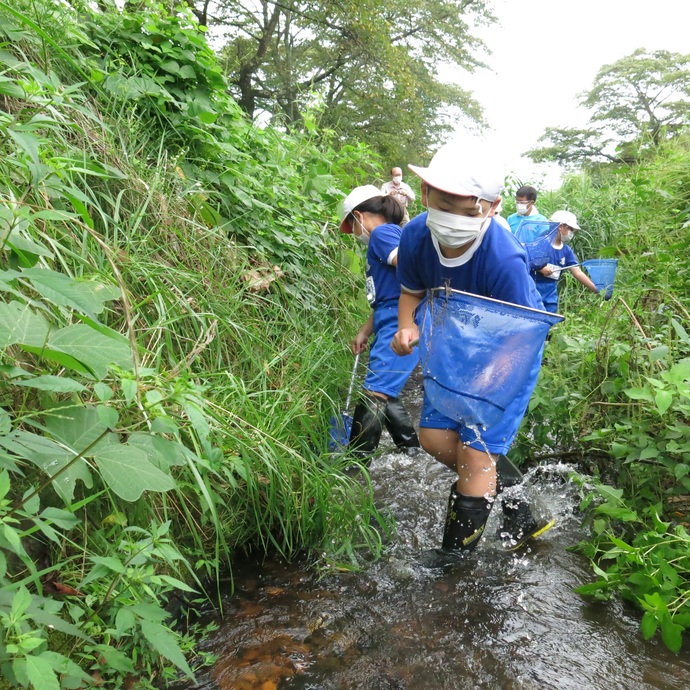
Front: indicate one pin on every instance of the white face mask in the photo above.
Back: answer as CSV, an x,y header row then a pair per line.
x,y
397,179
452,230
363,236
568,235
522,209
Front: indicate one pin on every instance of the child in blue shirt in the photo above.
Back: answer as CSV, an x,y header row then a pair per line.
x,y
458,244
561,257
374,219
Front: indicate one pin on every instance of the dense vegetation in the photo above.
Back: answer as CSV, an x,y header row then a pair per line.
x,y
173,323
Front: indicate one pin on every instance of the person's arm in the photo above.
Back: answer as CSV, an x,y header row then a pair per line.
x,y
407,328
411,196
359,344
580,275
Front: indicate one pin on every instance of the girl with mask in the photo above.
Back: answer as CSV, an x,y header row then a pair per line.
x,y
374,219
562,257
457,244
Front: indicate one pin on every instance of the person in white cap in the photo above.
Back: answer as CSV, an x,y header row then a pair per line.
x,y
374,218
457,244
561,258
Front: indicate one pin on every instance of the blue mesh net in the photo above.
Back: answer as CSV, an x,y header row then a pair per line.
x,y
603,273
536,237
476,353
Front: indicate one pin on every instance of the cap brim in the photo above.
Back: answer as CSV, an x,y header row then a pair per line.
x,y
345,226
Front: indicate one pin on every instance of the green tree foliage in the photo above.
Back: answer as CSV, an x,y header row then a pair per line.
x,y
635,102
369,68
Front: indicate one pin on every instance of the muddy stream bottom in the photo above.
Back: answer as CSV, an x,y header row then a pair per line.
x,y
495,620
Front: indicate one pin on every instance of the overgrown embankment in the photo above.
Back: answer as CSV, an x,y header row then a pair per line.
x,y
172,322
614,392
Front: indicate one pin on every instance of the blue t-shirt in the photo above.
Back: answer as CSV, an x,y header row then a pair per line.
x,y
382,282
496,268
515,220
547,286
563,256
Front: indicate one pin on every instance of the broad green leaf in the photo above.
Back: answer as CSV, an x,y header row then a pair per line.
x,y
55,384
4,483
115,659
19,324
75,426
72,675
108,416
163,641
126,470
85,296
639,394
103,391
680,331
91,348
671,635
681,470
129,389
160,451
28,142
41,674
124,621
20,602
62,518
110,562
663,400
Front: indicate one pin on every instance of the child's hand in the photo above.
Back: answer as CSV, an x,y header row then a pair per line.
x,y
401,343
360,343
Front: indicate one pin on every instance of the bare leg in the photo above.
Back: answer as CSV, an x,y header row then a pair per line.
x,y
476,469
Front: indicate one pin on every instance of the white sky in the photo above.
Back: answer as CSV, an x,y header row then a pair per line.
x,y
545,52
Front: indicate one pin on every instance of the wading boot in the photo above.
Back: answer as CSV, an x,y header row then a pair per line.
x,y
367,425
465,521
519,524
399,425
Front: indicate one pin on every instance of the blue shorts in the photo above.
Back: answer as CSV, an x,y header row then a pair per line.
x,y
388,372
548,291
498,437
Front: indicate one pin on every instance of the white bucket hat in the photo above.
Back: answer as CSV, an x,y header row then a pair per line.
x,y
565,217
356,197
454,171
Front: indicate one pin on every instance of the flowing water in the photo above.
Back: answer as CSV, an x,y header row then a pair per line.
x,y
497,620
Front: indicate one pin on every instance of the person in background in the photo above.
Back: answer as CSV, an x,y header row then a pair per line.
x,y
373,218
562,256
400,191
525,198
457,244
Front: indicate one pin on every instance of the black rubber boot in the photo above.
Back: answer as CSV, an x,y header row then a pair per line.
x,y
367,425
399,425
519,524
465,521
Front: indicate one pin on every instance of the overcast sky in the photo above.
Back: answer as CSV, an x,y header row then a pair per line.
x,y
545,52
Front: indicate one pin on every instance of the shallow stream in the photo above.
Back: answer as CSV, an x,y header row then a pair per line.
x,y
498,620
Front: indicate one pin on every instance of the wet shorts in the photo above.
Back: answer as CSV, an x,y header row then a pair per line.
x,y
498,437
